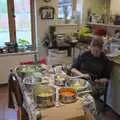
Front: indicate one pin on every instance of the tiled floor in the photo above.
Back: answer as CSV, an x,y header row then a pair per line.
x,y
10,114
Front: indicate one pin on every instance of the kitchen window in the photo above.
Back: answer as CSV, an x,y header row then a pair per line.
x,y
4,26
64,6
17,21
23,20
79,8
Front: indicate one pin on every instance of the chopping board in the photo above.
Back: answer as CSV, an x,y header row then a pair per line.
x,y
73,111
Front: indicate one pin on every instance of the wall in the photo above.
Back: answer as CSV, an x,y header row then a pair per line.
x,y
115,7
96,6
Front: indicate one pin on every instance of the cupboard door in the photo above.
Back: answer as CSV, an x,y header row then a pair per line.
x,y
115,86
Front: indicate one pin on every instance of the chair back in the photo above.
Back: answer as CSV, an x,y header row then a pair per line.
x,y
14,88
16,97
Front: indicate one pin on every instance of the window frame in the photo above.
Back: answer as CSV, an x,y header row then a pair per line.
x,y
12,25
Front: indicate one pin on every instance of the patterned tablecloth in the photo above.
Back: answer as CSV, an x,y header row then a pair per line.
x,y
34,112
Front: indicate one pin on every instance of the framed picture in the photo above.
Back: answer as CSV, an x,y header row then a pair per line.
x,y
47,12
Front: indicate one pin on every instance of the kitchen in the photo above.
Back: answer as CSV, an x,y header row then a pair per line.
x,y
84,20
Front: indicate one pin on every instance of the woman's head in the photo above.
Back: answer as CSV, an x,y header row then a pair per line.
x,y
96,46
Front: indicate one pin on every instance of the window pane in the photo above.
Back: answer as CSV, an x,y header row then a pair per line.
x,y
64,4
23,21
4,28
79,9
79,6
69,9
60,12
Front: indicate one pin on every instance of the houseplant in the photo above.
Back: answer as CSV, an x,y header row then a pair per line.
x,y
23,44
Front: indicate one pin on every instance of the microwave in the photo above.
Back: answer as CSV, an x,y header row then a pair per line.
x,y
117,20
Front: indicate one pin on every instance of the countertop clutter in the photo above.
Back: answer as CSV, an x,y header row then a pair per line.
x,y
48,100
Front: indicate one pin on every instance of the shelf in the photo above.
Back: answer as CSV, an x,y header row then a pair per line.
x,y
18,53
104,25
61,25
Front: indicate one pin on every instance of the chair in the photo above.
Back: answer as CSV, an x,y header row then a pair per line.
x,y
15,97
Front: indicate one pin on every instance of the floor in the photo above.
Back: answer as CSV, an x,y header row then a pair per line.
x,y
10,114
5,112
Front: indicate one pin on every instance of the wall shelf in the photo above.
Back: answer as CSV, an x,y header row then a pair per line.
x,y
104,25
61,25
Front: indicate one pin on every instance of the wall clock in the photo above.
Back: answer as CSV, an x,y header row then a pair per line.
x,y
47,0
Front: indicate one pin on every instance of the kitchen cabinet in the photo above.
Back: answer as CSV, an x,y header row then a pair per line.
x,y
114,89
11,60
115,7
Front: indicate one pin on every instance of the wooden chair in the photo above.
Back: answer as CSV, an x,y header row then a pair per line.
x,y
16,98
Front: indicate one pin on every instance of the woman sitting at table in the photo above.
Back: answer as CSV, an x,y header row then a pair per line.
x,y
94,63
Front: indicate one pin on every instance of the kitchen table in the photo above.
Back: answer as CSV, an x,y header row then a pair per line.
x,y
73,111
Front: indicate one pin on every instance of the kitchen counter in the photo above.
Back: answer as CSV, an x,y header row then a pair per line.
x,y
113,99
18,53
12,60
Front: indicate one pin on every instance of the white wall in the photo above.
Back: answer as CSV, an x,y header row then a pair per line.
x,y
115,7
42,25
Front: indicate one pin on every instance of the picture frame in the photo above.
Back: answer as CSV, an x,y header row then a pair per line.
x,y
47,12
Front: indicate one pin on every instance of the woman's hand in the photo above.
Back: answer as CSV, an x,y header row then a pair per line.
x,y
85,75
102,81
78,73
